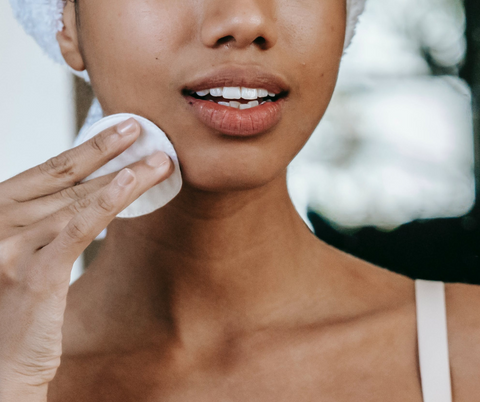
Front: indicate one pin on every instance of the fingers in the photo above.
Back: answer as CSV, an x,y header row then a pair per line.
x,y
33,211
38,209
82,229
151,171
85,219
71,166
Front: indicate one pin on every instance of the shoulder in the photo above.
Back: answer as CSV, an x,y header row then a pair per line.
x,y
463,321
463,314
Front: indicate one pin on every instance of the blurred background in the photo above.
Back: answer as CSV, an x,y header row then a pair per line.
x,y
389,175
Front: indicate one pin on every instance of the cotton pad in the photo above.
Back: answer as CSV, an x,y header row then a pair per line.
x,y
151,139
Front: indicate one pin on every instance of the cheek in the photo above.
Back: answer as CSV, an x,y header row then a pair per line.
x,y
314,35
128,49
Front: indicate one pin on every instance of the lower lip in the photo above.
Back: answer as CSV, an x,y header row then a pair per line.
x,y
235,122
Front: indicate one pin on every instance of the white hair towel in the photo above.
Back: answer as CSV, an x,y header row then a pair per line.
x,y
355,8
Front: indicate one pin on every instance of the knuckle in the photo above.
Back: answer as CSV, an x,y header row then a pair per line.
x,y
8,272
9,258
58,166
73,193
81,205
76,230
99,143
105,204
9,277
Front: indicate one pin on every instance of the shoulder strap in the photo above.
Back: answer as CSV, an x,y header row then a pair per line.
x,y
432,341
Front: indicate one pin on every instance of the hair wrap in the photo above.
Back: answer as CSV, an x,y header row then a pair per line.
x,y
354,10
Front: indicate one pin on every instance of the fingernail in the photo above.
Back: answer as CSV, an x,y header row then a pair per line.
x,y
157,159
125,177
127,127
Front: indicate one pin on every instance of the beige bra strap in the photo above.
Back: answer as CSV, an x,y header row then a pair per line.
x,y
432,341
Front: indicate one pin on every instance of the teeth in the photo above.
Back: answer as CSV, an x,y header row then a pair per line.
x,y
203,93
262,93
238,105
237,93
255,95
249,93
216,92
232,93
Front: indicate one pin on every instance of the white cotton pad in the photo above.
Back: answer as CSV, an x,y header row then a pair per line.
x,y
151,139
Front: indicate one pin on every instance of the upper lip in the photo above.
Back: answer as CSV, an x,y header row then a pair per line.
x,y
248,77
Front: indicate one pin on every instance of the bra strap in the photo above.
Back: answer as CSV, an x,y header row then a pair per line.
x,y
432,341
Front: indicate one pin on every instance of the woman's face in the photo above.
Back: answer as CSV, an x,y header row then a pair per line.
x,y
147,56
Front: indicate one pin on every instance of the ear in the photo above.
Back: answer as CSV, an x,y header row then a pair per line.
x,y
68,39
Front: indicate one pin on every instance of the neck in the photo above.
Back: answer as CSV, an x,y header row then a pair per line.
x,y
237,261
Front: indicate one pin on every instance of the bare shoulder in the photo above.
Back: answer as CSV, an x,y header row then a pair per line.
x,y
463,321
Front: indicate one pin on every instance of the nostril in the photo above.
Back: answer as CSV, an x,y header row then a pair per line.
x,y
260,42
225,40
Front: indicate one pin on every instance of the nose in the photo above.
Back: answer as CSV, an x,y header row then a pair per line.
x,y
239,24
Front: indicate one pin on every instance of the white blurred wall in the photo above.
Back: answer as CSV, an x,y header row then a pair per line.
x,y
36,103
396,143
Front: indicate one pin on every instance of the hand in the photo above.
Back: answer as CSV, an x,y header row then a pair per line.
x,y
47,219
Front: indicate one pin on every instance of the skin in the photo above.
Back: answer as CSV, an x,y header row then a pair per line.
x,y
224,294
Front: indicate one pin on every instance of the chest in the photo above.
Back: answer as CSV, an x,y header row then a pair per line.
x,y
296,368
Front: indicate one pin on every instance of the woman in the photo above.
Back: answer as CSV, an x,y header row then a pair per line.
x,y
224,294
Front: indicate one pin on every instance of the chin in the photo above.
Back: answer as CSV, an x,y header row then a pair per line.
x,y
228,176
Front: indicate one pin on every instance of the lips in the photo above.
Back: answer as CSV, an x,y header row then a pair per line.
x,y
237,101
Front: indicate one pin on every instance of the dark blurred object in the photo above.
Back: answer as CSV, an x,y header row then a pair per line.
x,y
83,100
437,249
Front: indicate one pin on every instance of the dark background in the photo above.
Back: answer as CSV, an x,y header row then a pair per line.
x,y
437,249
